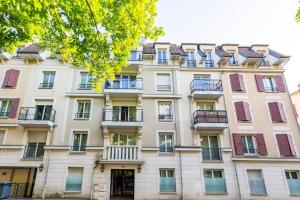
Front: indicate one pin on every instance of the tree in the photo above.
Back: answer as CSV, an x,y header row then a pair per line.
x,y
95,34
298,15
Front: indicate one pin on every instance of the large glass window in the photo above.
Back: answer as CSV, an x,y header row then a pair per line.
x,y
167,180
83,110
269,84
214,181
256,182
202,82
34,150
5,106
74,179
164,110
210,148
43,112
248,144
163,82
124,113
293,180
191,62
162,56
85,81
79,141
123,139
48,80
165,142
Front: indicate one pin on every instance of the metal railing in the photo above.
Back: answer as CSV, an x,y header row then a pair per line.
x,y
294,186
206,85
85,86
162,61
208,63
122,152
215,185
233,62
211,153
210,116
191,63
264,63
4,114
257,186
46,85
162,117
34,150
78,148
82,115
123,115
136,56
124,83
32,113
163,87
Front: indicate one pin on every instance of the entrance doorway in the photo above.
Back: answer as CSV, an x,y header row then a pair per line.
x,y
122,184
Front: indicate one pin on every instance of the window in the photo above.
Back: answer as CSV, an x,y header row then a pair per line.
x,y
5,107
164,111
34,150
48,80
165,142
269,84
248,145
205,106
123,139
202,82
74,179
2,133
167,180
43,112
191,62
256,182
293,180
210,148
85,81
162,56
83,110
79,141
208,60
264,61
163,82
214,182
124,113
232,60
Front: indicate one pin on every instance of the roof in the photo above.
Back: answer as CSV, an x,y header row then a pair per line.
x,y
201,53
247,52
30,49
176,50
149,49
221,52
277,54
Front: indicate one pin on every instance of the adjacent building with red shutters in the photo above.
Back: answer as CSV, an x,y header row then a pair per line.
x,y
188,121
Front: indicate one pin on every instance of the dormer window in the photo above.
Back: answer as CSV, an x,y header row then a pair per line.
x,y
264,61
191,62
162,56
208,60
233,60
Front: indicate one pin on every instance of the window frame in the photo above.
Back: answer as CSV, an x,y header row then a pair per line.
x,y
167,175
248,153
68,174
127,139
157,84
167,149
4,113
87,84
162,56
48,84
261,178
81,148
85,115
170,114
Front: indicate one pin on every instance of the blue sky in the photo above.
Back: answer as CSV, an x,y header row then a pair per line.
x,y
244,22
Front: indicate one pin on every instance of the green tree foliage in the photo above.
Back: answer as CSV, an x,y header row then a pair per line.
x,y
298,15
95,34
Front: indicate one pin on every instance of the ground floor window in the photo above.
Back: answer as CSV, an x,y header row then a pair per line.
x,y
293,180
214,181
256,182
74,180
167,180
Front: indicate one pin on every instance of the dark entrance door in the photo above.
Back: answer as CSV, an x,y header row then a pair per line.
x,y
122,184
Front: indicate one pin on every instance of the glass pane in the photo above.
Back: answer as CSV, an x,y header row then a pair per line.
x,y
208,174
83,140
215,185
83,78
123,139
132,114
162,143
213,142
87,107
116,113
170,173
217,174
163,173
167,184
74,180
114,139
76,142
131,139
169,143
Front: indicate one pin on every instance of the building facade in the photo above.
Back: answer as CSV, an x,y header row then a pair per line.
x,y
189,121
295,96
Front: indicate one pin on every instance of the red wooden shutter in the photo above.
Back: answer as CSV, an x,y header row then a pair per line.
x,y
237,82
275,112
11,78
14,108
281,111
283,144
259,83
280,83
261,145
242,111
291,144
238,145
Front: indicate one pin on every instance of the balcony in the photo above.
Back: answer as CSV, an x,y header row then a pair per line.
x,y
124,87
129,117
34,151
215,186
46,85
206,88
210,119
191,63
136,58
34,117
211,154
122,153
209,63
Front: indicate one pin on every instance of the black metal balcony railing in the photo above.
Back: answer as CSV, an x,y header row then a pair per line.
x,y
191,63
34,150
163,87
211,153
46,85
209,63
78,148
233,62
162,61
4,114
206,85
210,116
85,86
162,117
123,115
136,56
33,113
82,115
124,83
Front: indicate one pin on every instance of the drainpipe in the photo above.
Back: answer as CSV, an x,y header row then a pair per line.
x,y
46,176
